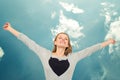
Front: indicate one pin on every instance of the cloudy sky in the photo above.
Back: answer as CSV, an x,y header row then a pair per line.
x,y
87,23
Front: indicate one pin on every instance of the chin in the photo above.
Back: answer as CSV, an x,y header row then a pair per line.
x,y
62,46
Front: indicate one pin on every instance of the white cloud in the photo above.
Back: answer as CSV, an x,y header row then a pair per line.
x,y
1,52
114,32
107,4
71,7
97,75
108,12
112,25
69,26
53,15
77,10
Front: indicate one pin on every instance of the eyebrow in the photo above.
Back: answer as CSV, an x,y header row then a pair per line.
x,y
65,36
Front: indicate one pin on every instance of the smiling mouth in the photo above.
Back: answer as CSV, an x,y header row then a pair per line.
x,y
62,42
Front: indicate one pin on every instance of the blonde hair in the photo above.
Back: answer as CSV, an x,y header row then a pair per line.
x,y
68,49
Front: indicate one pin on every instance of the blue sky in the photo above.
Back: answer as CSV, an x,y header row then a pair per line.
x,y
87,23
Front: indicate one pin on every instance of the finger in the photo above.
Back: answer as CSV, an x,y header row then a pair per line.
x,y
5,26
113,41
7,23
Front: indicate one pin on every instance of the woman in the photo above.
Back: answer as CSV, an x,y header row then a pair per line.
x,y
60,63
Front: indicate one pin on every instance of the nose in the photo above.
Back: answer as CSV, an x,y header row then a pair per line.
x,y
63,39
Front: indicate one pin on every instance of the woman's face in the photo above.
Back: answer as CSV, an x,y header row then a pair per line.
x,y
62,41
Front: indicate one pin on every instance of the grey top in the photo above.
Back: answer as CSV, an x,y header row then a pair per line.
x,y
45,55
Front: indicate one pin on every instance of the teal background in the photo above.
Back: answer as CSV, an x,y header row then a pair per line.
x,y
33,18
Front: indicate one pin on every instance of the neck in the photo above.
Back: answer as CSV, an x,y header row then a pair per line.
x,y
60,52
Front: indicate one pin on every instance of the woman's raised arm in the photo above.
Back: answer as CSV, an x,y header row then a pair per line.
x,y
108,42
90,50
40,51
9,28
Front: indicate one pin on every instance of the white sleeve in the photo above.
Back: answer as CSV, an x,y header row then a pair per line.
x,y
85,52
40,51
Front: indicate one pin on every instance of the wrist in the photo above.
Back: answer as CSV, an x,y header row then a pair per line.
x,y
10,29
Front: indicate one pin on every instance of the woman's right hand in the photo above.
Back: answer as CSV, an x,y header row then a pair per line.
x,y
7,26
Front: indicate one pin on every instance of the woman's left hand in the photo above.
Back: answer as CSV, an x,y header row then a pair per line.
x,y
111,41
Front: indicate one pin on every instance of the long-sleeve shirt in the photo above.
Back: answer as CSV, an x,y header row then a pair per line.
x,y
58,68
